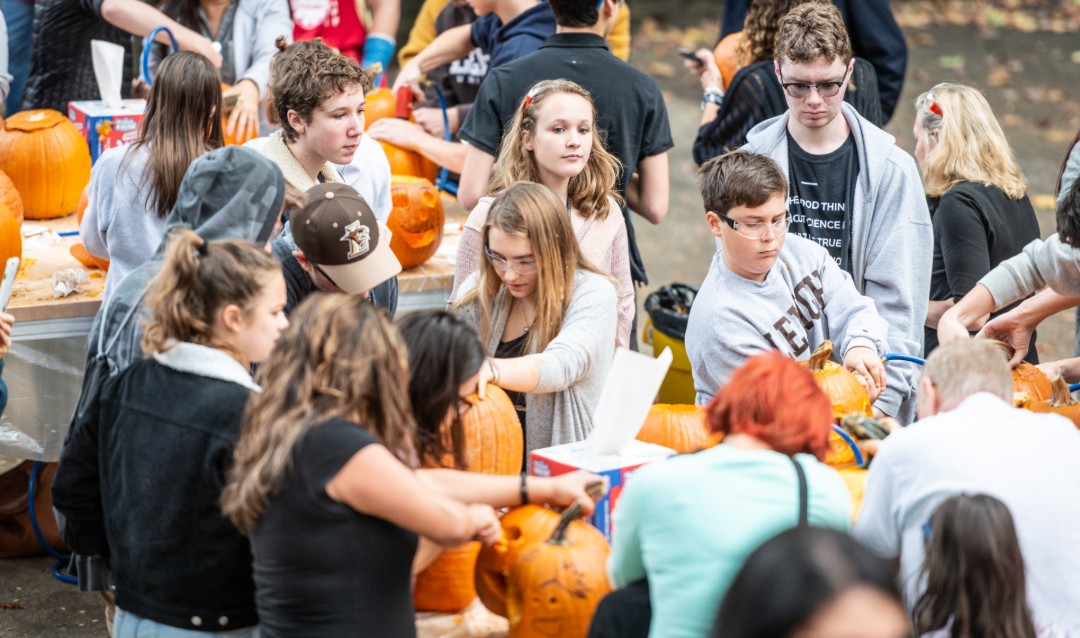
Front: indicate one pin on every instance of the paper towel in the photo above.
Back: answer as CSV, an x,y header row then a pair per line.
x,y
108,70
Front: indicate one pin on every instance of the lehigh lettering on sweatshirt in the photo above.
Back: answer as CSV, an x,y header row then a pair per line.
x,y
805,299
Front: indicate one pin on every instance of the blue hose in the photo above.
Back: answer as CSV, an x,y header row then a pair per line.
x,y
859,459
1074,387
146,51
904,357
442,182
64,560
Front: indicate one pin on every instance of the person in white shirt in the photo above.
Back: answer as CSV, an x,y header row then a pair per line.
x,y
969,438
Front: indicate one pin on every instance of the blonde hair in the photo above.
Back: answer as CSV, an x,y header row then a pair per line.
x,y
340,358
197,280
532,211
961,368
590,189
970,146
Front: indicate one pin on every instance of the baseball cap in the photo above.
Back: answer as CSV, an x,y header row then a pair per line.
x,y
337,231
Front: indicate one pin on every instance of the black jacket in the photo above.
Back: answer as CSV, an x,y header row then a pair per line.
x,y
874,34
139,484
755,95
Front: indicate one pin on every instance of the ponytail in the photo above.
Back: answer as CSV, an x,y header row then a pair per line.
x,y
197,280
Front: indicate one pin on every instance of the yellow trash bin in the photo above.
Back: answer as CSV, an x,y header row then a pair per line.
x,y
668,310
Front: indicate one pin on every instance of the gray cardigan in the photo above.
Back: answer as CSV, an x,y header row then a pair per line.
x,y
574,365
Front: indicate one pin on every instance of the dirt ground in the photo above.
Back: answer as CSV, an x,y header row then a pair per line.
x,y
1030,78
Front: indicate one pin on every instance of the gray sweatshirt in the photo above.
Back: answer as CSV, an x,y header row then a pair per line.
x,y
804,300
893,242
1071,172
1049,262
573,366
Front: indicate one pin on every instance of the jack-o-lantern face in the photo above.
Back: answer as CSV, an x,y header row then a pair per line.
x,y
416,220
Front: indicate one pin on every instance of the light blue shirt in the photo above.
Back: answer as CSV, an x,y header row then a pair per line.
x,y
690,521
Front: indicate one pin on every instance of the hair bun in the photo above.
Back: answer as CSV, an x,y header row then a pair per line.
x,y
281,43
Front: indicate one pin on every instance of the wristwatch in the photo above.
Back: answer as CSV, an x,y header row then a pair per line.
x,y
713,95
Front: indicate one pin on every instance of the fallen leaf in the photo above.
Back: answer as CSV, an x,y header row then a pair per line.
x,y
1044,202
953,62
661,70
999,77
1061,135
1075,57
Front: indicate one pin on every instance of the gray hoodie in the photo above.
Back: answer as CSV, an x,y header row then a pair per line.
x,y
893,242
1050,262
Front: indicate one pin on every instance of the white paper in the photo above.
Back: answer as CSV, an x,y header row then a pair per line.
x,y
108,70
624,403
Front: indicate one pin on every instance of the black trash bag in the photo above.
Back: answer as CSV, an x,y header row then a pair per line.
x,y
669,309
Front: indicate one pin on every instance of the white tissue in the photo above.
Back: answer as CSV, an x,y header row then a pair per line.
x,y
68,282
624,403
108,70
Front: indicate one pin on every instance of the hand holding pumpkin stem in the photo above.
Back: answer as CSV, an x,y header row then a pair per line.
x,y
867,367
485,524
567,489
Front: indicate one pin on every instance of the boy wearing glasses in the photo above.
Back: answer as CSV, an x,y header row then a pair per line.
x,y
769,290
851,189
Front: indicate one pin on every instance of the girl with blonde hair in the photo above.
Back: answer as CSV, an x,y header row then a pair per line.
x,y
976,193
142,469
545,316
553,141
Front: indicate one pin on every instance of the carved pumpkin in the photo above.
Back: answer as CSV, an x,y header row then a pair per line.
x,y
522,526
78,251
855,481
1062,402
1027,378
726,54
678,426
10,235
846,394
416,220
843,450
9,196
47,161
493,445
554,586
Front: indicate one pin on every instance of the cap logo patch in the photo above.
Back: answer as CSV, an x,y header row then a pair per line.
x,y
359,238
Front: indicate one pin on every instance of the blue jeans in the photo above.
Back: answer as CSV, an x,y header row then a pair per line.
x,y
128,625
19,17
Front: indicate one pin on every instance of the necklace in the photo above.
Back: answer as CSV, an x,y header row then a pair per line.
x,y
525,317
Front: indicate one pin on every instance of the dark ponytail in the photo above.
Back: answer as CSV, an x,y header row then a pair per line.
x,y
1068,216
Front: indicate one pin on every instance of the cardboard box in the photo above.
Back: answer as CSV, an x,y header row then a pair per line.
x,y
105,128
553,461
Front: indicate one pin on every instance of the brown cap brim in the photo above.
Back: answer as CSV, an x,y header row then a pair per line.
x,y
362,275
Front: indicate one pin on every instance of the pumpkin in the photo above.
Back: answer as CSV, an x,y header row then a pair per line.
x,y
493,445
1027,378
10,235
404,162
843,450
855,481
680,427
416,220
47,160
555,586
846,394
1061,402
379,103
9,196
726,54
230,139
84,201
522,526
78,251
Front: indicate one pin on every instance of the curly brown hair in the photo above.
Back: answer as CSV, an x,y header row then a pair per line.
x,y
761,28
303,75
811,31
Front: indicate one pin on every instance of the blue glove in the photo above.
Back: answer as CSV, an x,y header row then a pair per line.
x,y
378,47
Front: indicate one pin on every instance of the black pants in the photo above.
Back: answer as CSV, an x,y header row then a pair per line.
x,y
624,613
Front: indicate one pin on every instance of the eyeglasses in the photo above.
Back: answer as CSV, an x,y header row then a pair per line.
x,y
799,90
501,264
757,230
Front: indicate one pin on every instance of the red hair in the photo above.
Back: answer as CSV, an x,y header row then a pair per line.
x,y
774,399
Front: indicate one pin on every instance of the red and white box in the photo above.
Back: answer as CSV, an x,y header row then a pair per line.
x,y
105,127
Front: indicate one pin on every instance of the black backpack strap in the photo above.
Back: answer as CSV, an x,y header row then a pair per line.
x,y
804,494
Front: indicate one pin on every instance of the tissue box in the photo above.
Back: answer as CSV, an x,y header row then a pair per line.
x,y
553,461
105,127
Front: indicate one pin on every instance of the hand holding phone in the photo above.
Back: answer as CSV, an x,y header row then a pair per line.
x,y
689,55
10,270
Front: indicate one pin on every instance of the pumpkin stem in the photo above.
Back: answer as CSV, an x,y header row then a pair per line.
x,y
558,537
1062,397
820,356
1005,348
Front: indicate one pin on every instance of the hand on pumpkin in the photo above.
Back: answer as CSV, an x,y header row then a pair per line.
x,y
1011,329
400,133
870,447
243,122
565,489
485,523
7,322
867,367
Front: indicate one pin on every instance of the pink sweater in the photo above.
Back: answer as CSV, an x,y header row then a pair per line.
x,y
602,242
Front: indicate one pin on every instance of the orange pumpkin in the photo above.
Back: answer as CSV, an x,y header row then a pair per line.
x,y
408,163
238,140
380,103
522,526
855,481
1062,402
727,56
78,251
843,451
678,426
10,235
1027,378
846,394
493,445
9,196
554,586
47,160
84,201
416,220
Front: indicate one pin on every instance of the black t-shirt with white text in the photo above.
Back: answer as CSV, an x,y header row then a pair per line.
x,y
821,195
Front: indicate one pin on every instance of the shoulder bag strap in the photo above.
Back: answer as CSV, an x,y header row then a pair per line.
x,y
804,494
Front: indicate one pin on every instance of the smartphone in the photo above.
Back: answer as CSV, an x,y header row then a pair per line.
x,y
688,54
10,270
